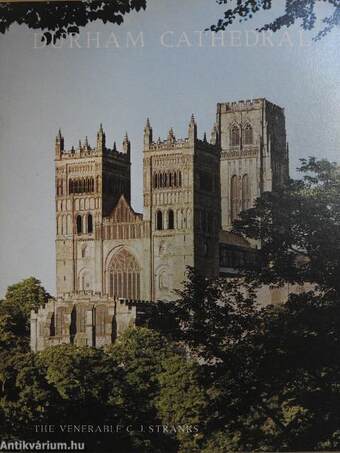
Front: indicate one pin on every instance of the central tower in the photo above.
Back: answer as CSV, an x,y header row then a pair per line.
x,y
254,153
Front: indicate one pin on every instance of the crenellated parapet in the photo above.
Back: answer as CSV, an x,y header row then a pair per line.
x,y
84,149
174,143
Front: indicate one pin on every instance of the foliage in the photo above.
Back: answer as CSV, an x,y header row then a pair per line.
x,y
183,402
58,19
15,310
304,11
298,229
231,375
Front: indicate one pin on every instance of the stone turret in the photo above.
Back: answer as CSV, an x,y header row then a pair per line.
x,y
59,145
192,130
147,135
126,145
100,139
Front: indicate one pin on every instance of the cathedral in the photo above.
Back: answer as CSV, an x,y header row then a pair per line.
x,y
112,262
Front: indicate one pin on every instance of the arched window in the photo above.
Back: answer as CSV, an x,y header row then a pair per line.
x,y
79,224
175,179
245,193
180,179
234,198
248,135
70,186
159,220
124,274
170,179
89,224
155,181
161,180
84,251
171,219
235,136
165,179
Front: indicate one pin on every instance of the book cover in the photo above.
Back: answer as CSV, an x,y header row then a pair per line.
x,y
170,226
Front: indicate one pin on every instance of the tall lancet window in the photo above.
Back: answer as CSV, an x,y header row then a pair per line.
x,y
159,220
245,193
124,276
234,198
79,224
89,224
248,135
235,135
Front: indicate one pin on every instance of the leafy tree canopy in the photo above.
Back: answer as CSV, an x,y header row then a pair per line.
x,y
19,300
303,11
58,19
298,228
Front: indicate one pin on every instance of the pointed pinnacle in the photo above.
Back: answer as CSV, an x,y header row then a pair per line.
x,y
114,146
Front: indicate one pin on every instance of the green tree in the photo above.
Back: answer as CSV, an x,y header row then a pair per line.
x,y
298,229
273,370
304,11
58,19
140,353
16,308
183,402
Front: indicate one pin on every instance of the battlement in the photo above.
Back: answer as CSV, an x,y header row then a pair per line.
x,y
161,145
171,142
84,150
248,104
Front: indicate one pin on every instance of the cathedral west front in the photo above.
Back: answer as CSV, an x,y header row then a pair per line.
x,y
112,262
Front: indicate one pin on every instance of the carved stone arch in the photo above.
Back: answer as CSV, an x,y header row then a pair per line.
x,y
123,274
84,280
235,135
164,279
247,134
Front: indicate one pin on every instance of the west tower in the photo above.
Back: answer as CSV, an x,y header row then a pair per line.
x,y
182,204
254,153
89,181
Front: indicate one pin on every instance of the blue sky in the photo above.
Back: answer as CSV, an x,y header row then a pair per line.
x,y
44,88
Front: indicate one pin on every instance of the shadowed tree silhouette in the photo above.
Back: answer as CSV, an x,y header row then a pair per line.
x,y
59,19
304,11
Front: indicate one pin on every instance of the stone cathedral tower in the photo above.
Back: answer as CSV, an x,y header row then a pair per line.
x,y
88,182
182,203
254,153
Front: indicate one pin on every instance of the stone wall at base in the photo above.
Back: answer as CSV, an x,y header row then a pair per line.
x,y
85,319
